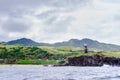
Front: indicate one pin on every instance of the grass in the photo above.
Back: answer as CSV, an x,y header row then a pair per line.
x,y
68,51
115,54
9,46
60,50
40,62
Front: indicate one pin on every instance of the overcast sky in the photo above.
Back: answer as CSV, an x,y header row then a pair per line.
x,y
60,20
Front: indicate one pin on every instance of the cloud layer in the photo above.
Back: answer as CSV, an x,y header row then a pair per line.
x,y
59,20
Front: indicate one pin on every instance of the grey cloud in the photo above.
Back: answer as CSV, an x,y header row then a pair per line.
x,y
53,22
50,17
117,18
19,13
16,9
58,26
4,37
50,13
47,14
19,8
70,4
61,6
7,6
13,25
112,1
50,21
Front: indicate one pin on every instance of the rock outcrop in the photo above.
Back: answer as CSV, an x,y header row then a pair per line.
x,y
111,61
96,60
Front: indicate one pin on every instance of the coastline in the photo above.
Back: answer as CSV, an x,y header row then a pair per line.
x,y
83,60
95,60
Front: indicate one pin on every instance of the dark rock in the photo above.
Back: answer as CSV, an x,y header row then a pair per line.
x,y
112,61
85,61
96,60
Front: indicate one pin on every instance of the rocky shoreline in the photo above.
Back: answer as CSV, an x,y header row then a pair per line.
x,y
95,60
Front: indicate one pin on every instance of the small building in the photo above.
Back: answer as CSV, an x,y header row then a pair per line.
x,y
85,48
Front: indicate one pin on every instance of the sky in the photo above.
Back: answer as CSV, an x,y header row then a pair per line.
x,y
60,20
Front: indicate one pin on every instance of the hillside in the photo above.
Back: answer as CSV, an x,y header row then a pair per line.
x,y
73,42
23,41
26,42
44,55
91,44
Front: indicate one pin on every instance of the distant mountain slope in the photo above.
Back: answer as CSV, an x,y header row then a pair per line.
x,y
91,44
26,42
73,42
23,41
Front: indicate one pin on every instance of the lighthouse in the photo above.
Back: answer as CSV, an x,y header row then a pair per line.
x,y
85,48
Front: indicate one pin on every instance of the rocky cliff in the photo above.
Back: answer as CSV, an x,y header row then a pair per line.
x,y
96,60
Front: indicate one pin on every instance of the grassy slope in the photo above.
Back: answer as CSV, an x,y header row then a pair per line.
x,y
67,51
60,50
112,54
75,51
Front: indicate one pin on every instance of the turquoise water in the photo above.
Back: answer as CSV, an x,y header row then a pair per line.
x,y
30,72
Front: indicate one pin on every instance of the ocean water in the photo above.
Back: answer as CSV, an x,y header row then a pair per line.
x,y
36,72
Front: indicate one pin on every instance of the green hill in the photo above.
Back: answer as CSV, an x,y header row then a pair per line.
x,y
93,44
26,42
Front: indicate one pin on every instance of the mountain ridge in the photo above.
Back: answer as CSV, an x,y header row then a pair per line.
x,y
26,42
72,42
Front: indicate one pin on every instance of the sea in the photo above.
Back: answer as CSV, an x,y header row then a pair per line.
x,y
37,72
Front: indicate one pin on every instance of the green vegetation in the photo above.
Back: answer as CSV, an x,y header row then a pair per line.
x,y
41,62
112,54
44,55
